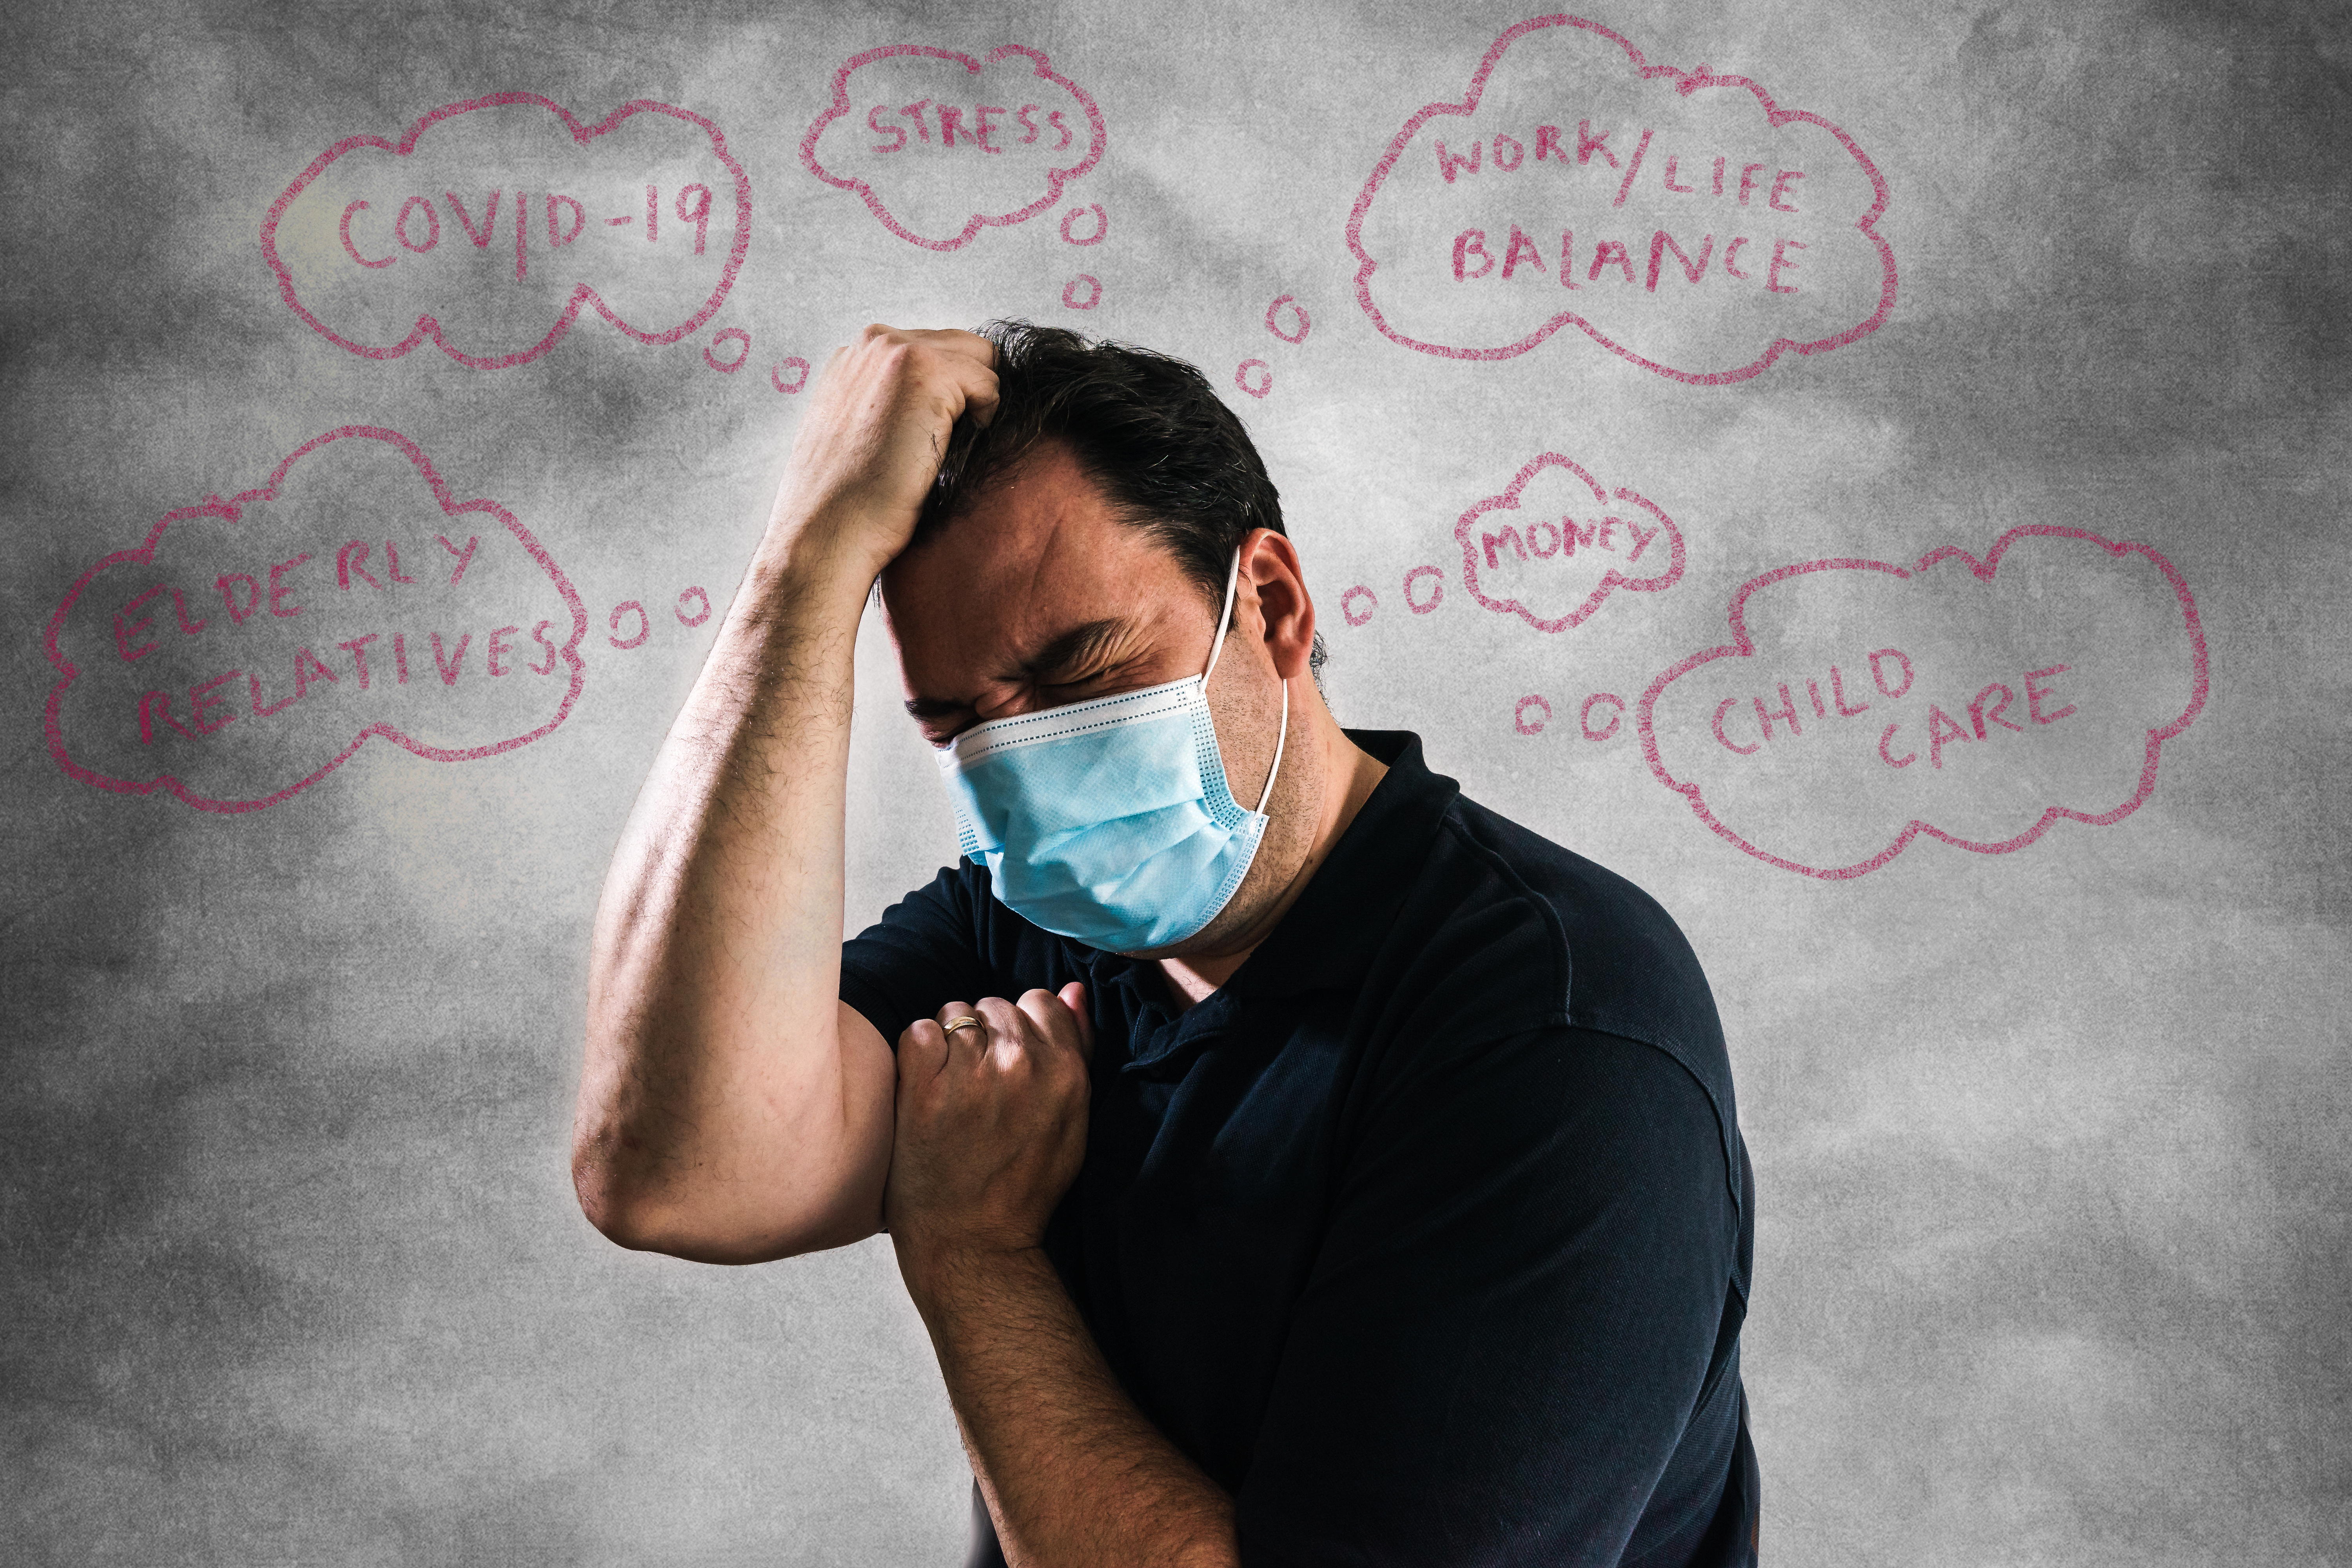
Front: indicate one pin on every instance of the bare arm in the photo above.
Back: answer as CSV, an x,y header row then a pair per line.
x,y
1072,1471
992,1132
731,1108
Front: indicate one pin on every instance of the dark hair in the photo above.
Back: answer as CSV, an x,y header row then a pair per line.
x,y
1145,428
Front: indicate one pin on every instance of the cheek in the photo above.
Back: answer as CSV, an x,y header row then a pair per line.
x,y
1246,701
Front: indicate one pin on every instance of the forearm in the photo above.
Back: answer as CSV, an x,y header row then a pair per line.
x,y
1073,1472
714,1085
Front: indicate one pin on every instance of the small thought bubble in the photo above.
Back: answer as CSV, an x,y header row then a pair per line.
x,y
940,145
1554,544
249,646
1861,704
491,223
1680,219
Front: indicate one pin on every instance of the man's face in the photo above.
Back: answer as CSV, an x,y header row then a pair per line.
x,y
1039,597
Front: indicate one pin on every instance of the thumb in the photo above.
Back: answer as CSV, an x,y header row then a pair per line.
x,y
920,1059
1074,997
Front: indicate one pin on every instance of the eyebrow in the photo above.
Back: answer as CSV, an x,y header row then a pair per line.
x,y
1068,649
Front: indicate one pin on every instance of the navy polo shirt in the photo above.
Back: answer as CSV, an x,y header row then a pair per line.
x,y
1426,1236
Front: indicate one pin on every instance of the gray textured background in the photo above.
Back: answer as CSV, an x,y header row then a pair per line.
x,y
2050,1146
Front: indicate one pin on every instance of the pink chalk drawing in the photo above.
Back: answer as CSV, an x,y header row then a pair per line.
x,y
480,232
1681,219
959,144
248,648
1292,330
1567,545
1861,704
1301,323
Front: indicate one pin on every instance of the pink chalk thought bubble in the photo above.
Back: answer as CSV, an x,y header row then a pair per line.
x,y
1681,219
940,145
1556,543
1861,704
491,223
249,646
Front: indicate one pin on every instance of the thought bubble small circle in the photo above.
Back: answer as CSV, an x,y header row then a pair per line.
x,y
1584,715
1094,292
728,367
699,596
1265,377
1436,590
1520,715
1299,319
1102,223
1347,603
800,368
645,625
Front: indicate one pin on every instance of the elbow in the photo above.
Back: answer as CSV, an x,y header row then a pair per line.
x,y
627,1216
625,1178
612,1204
642,1215
626,1208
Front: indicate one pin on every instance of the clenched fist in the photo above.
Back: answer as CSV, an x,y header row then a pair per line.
x,y
870,443
992,1124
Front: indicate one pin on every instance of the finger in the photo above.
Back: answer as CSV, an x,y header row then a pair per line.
x,y
952,345
955,339
1013,1031
1074,997
922,1051
965,361
1051,1018
976,386
967,1037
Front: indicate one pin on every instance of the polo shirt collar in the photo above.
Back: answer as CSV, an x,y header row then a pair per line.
x,y
1328,939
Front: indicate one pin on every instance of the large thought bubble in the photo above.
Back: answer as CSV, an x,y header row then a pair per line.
x,y
1681,219
1556,542
491,223
249,646
940,145
1861,704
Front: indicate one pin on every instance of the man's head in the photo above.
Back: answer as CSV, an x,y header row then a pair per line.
x,y
1168,455
1080,546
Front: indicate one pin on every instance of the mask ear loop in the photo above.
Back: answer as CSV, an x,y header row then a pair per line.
x,y
1224,617
1280,736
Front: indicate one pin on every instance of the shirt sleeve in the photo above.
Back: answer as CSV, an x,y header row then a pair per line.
x,y
1505,1334
927,950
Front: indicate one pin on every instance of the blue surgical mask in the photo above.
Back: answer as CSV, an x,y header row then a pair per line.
x,y
1109,821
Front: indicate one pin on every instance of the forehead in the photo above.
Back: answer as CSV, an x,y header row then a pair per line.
x,y
1038,555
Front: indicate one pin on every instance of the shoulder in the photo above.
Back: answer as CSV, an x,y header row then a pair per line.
x,y
1529,934
1504,930
949,939
957,909
1624,967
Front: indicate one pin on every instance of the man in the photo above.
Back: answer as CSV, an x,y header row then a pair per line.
x,y
1353,1177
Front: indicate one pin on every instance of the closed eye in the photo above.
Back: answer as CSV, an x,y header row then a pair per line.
x,y
1092,659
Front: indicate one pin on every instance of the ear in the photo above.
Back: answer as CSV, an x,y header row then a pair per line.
x,y
1287,616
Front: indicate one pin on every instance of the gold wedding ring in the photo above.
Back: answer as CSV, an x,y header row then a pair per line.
x,y
967,1022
